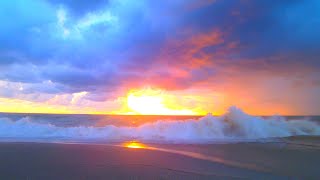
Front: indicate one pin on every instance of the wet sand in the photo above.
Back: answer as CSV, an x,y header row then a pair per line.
x,y
218,161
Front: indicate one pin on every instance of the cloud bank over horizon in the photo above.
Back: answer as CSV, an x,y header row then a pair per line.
x,y
81,56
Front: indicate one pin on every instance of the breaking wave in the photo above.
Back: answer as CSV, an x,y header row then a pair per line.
x,y
234,125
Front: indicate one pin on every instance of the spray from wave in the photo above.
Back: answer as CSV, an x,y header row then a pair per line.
x,y
234,125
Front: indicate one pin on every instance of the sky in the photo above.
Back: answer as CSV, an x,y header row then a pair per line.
x,y
160,57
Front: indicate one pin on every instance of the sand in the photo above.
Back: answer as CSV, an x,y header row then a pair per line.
x,y
217,161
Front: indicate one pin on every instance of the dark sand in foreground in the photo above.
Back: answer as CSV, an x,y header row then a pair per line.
x,y
283,160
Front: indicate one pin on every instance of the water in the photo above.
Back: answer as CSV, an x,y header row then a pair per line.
x,y
74,120
233,126
232,145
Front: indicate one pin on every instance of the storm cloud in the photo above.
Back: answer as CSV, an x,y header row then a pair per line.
x,y
106,47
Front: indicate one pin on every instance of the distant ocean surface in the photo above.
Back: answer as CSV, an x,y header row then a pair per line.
x,y
235,125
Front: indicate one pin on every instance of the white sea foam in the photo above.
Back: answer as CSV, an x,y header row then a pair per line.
x,y
234,125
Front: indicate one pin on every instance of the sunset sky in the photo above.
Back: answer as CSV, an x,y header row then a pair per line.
x,y
160,57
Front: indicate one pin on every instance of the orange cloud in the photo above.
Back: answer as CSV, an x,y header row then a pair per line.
x,y
188,52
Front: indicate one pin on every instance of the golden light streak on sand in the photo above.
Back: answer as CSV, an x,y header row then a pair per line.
x,y
134,145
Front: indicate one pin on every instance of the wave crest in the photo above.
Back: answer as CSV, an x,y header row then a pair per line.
x,y
234,125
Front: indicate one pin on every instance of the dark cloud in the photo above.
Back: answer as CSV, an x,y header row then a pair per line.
x,y
102,46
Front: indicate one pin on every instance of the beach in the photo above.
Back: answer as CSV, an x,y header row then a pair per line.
x,y
274,160
169,89
233,146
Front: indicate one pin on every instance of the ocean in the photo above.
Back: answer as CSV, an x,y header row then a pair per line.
x,y
233,126
232,146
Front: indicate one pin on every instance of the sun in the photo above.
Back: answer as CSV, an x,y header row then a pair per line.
x,y
153,102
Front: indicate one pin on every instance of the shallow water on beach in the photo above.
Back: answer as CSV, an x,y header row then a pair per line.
x,y
285,159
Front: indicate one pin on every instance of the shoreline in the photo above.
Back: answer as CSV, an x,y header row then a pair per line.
x,y
78,161
38,160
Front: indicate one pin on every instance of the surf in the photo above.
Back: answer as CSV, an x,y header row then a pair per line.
x,y
234,125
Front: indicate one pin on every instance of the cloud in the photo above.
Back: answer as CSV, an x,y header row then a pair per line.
x,y
61,16
107,47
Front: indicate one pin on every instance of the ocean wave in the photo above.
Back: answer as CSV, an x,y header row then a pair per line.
x,y
233,125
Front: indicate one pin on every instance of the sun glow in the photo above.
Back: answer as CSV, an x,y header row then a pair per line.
x,y
134,145
153,102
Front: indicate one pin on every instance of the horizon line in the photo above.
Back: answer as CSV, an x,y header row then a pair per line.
x,y
115,114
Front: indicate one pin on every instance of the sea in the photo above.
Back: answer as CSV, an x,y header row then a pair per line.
x,y
233,126
235,145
